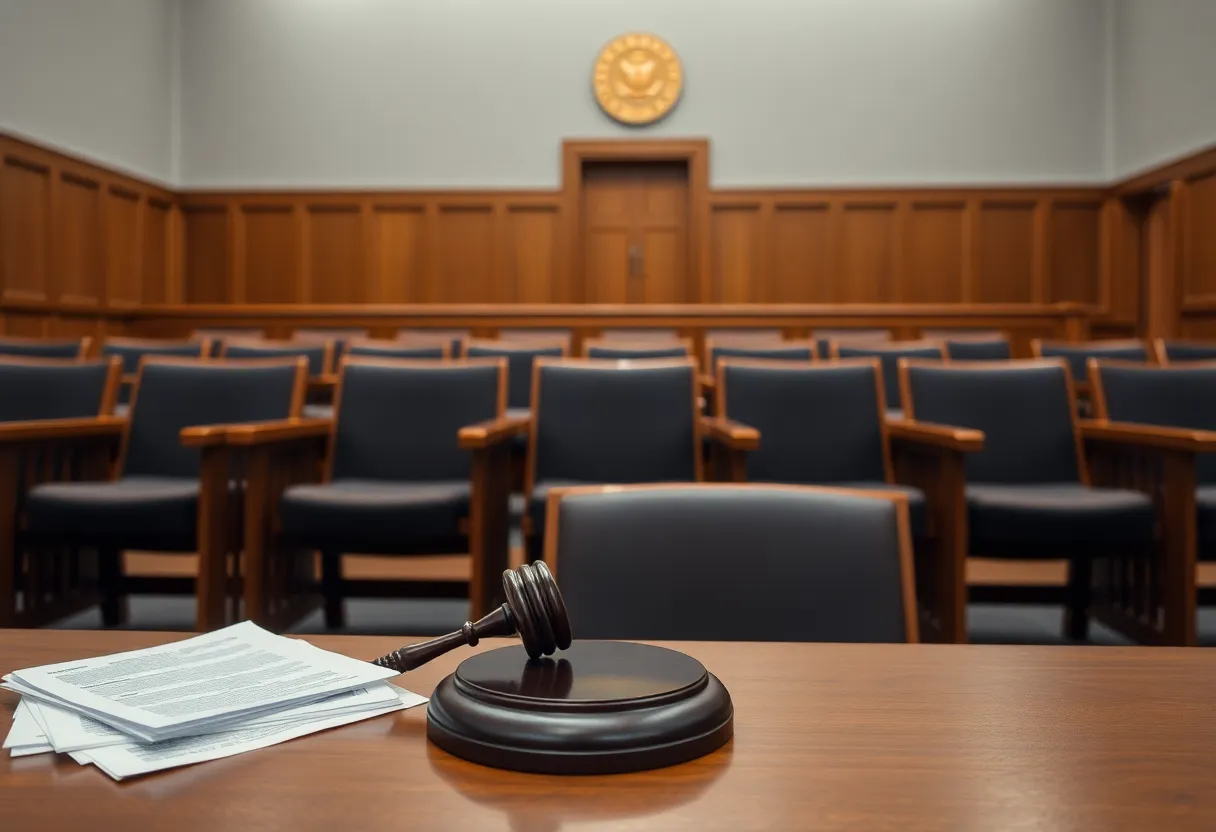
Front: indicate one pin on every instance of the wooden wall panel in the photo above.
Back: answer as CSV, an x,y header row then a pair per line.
x,y
335,254
465,268
25,206
399,232
1076,244
803,252
533,255
270,249
1006,253
936,242
736,264
78,254
124,261
1199,256
156,249
867,254
207,242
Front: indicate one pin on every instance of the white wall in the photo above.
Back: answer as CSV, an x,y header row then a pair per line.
x,y
480,93
91,77
1164,81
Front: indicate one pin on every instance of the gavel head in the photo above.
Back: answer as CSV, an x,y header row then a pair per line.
x,y
536,609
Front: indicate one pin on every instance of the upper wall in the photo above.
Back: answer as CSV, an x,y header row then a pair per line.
x,y
480,93
1165,81
93,78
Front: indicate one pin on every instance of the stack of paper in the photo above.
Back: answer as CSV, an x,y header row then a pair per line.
x,y
208,697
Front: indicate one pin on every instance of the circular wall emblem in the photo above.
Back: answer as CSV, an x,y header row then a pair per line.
x,y
638,79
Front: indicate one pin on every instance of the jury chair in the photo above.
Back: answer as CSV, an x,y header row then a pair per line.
x,y
415,463
890,353
131,352
384,348
1078,354
454,338
600,422
733,563
972,345
760,348
1156,430
634,334
823,338
1029,492
554,335
42,399
824,424
218,335
625,350
320,358
340,336
171,488
45,347
1170,351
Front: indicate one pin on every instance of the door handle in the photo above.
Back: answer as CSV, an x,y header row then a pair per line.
x,y
636,261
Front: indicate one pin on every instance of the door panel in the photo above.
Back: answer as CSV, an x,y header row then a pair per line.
x,y
635,233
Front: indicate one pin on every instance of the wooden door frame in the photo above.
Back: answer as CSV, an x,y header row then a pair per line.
x,y
692,152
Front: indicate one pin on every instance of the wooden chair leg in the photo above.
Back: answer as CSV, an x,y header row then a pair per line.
x,y
331,587
114,609
1079,592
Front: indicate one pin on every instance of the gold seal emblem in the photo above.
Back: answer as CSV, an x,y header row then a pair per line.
x,y
638,79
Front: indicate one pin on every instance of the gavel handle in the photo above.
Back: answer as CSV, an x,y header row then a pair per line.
x,y
498,623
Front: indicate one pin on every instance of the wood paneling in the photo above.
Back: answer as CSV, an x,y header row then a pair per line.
x,y
803,253
464,244
74,235
533,254
736,259
1006,252
206,254
1076,245
335,253
271,251
936,242
398,232
1200,235
865,272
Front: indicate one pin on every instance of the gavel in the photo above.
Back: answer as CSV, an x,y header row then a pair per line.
x,y
534,609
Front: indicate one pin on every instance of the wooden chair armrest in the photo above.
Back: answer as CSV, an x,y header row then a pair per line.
x,y
322,383
731,434
492,431
49,430
130,378
963,440
1149,436
207,436
708,381
270,433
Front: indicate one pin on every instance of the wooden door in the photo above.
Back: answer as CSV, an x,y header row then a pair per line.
x,y
635,232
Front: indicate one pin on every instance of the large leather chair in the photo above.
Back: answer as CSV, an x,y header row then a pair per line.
x,y
1029,493
45,347
626,350
824,424
320,358
1078,354
132,350
1156,431
774,350
521,356
414,464
340,336
1169,351
823,338
890,354
972,345
604,422
42,399
734,563
166,492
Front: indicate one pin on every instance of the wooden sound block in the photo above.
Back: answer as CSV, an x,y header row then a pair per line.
x,y
601,707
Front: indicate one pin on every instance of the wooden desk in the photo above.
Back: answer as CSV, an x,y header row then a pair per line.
x,y
921,737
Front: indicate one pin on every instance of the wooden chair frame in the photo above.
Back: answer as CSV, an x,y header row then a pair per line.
x,y
1081,385
929,458
205,345
388,345
900,501
282,454
641,346
84,344
1160,350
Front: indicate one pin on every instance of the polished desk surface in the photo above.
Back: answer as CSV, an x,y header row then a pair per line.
x,y
826,737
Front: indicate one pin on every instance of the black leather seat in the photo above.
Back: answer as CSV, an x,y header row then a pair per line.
x,y
399,482
775,351
733,563
1029,492
889,355
600,422
978,349
1078,355
319,355
340,336
132,350
520,355
823,338
1181,352
153,502
821,425
36,389
395,349
45,347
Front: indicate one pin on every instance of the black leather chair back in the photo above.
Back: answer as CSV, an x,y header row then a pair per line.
x,y
218,335
977,349
1178,397
454,338
776,350
819,423
658,349
1180,352
178,394
318,356
400,420
340,336
728,563
44,348
131,351
1077,355
44,389
1023,408
395,349
602,422
823,338
520,356
889,355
